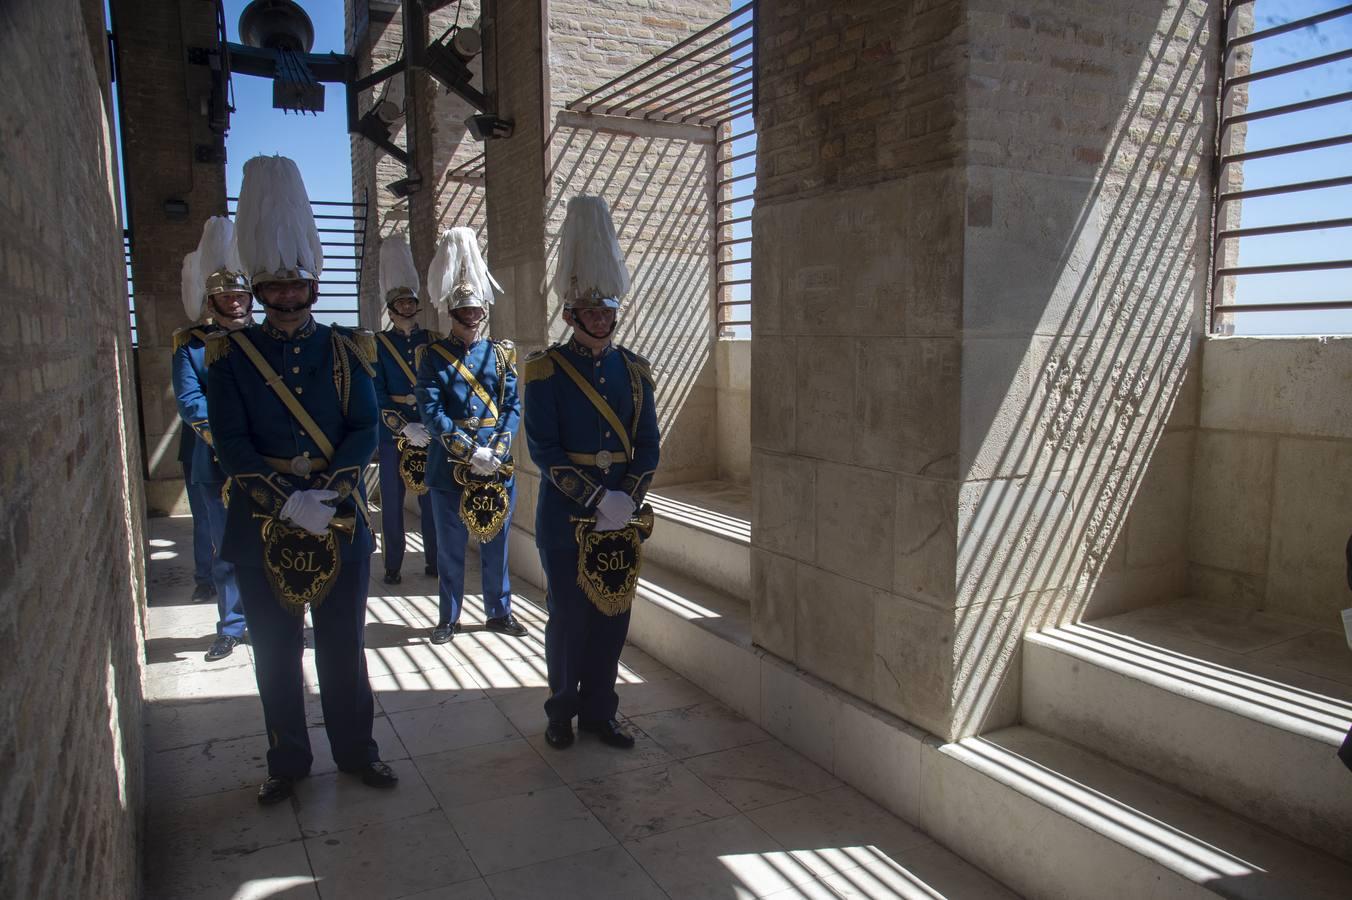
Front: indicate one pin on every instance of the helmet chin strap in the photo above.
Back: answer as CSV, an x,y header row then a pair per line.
x,y
577,323
314,298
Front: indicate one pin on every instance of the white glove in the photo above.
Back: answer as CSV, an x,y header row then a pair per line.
x,y
613,511
310,510
417,434
483,462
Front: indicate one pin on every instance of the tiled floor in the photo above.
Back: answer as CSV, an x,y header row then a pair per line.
x,y
706,805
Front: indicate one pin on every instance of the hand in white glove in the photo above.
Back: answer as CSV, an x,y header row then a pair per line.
x,y
417,434
310,509
613,511
483,462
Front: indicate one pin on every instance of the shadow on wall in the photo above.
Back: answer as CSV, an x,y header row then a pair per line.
x,y
1060,428
658,192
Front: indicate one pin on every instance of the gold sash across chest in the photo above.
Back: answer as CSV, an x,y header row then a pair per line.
x,y
604,408
394,354
479,390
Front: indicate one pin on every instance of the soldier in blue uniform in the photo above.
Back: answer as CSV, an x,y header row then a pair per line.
x,y
214,285
467,397
591,426
294,418
203,554
398,351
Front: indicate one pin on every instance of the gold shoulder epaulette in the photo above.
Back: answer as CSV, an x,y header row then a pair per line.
x,y
218,347
182,336
508,351
433,335
538,366
366,342
639,362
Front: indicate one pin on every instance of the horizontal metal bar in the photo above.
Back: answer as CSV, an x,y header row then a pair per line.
x,y
1321,266
733,159
1293,25
724,284
737,221
339,230
732,114
1287,69
733,262
1283,306
361,203
1285,229
729,243
723,181
726,303
736,137
732,322
1302,147
1292,188
682,82
744,198
1288,109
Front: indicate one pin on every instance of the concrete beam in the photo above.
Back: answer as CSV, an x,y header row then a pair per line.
x,y
629,125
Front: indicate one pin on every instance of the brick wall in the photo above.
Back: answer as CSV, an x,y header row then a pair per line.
x,y
163,122
71,565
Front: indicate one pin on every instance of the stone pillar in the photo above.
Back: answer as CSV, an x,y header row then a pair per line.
x,y
171,191
980,256
517,82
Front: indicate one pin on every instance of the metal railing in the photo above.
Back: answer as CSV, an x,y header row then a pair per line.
x,y
709,80
131,287
342,232
1308,193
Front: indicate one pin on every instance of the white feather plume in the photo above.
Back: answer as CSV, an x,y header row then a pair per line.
x,y
589,251
458,259
217,251
274,224
396,266
193,284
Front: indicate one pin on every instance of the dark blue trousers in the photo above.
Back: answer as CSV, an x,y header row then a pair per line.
x,y
229,610
497,584
340,657
202,552
582,646
392,491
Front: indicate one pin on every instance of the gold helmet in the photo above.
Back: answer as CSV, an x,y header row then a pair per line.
x,y
213,268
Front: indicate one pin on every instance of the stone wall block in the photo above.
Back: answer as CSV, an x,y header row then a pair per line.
x,y
783,504
907,405
855,516
1294,386
834,635
774,401
825,394
774,602
925,558
1311,521
912,661
1232,501
1157,525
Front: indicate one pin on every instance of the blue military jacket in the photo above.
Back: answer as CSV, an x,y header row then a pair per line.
x,y
189,375
396,375
456,416
329,370
564,431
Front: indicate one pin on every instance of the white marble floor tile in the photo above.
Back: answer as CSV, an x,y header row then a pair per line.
x,y
716,860
512,832
644,802
919,873
433,687
278,872
183,723
836,830
609,872
389,860
485,772
694,730
589,758
437,728
339,802
760,774
387,742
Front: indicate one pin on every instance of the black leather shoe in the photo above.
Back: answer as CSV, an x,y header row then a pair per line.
x,y
377,775
610,733
430,570
392,577
443,633
559,735
275,789
204,591
222,647
506,625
